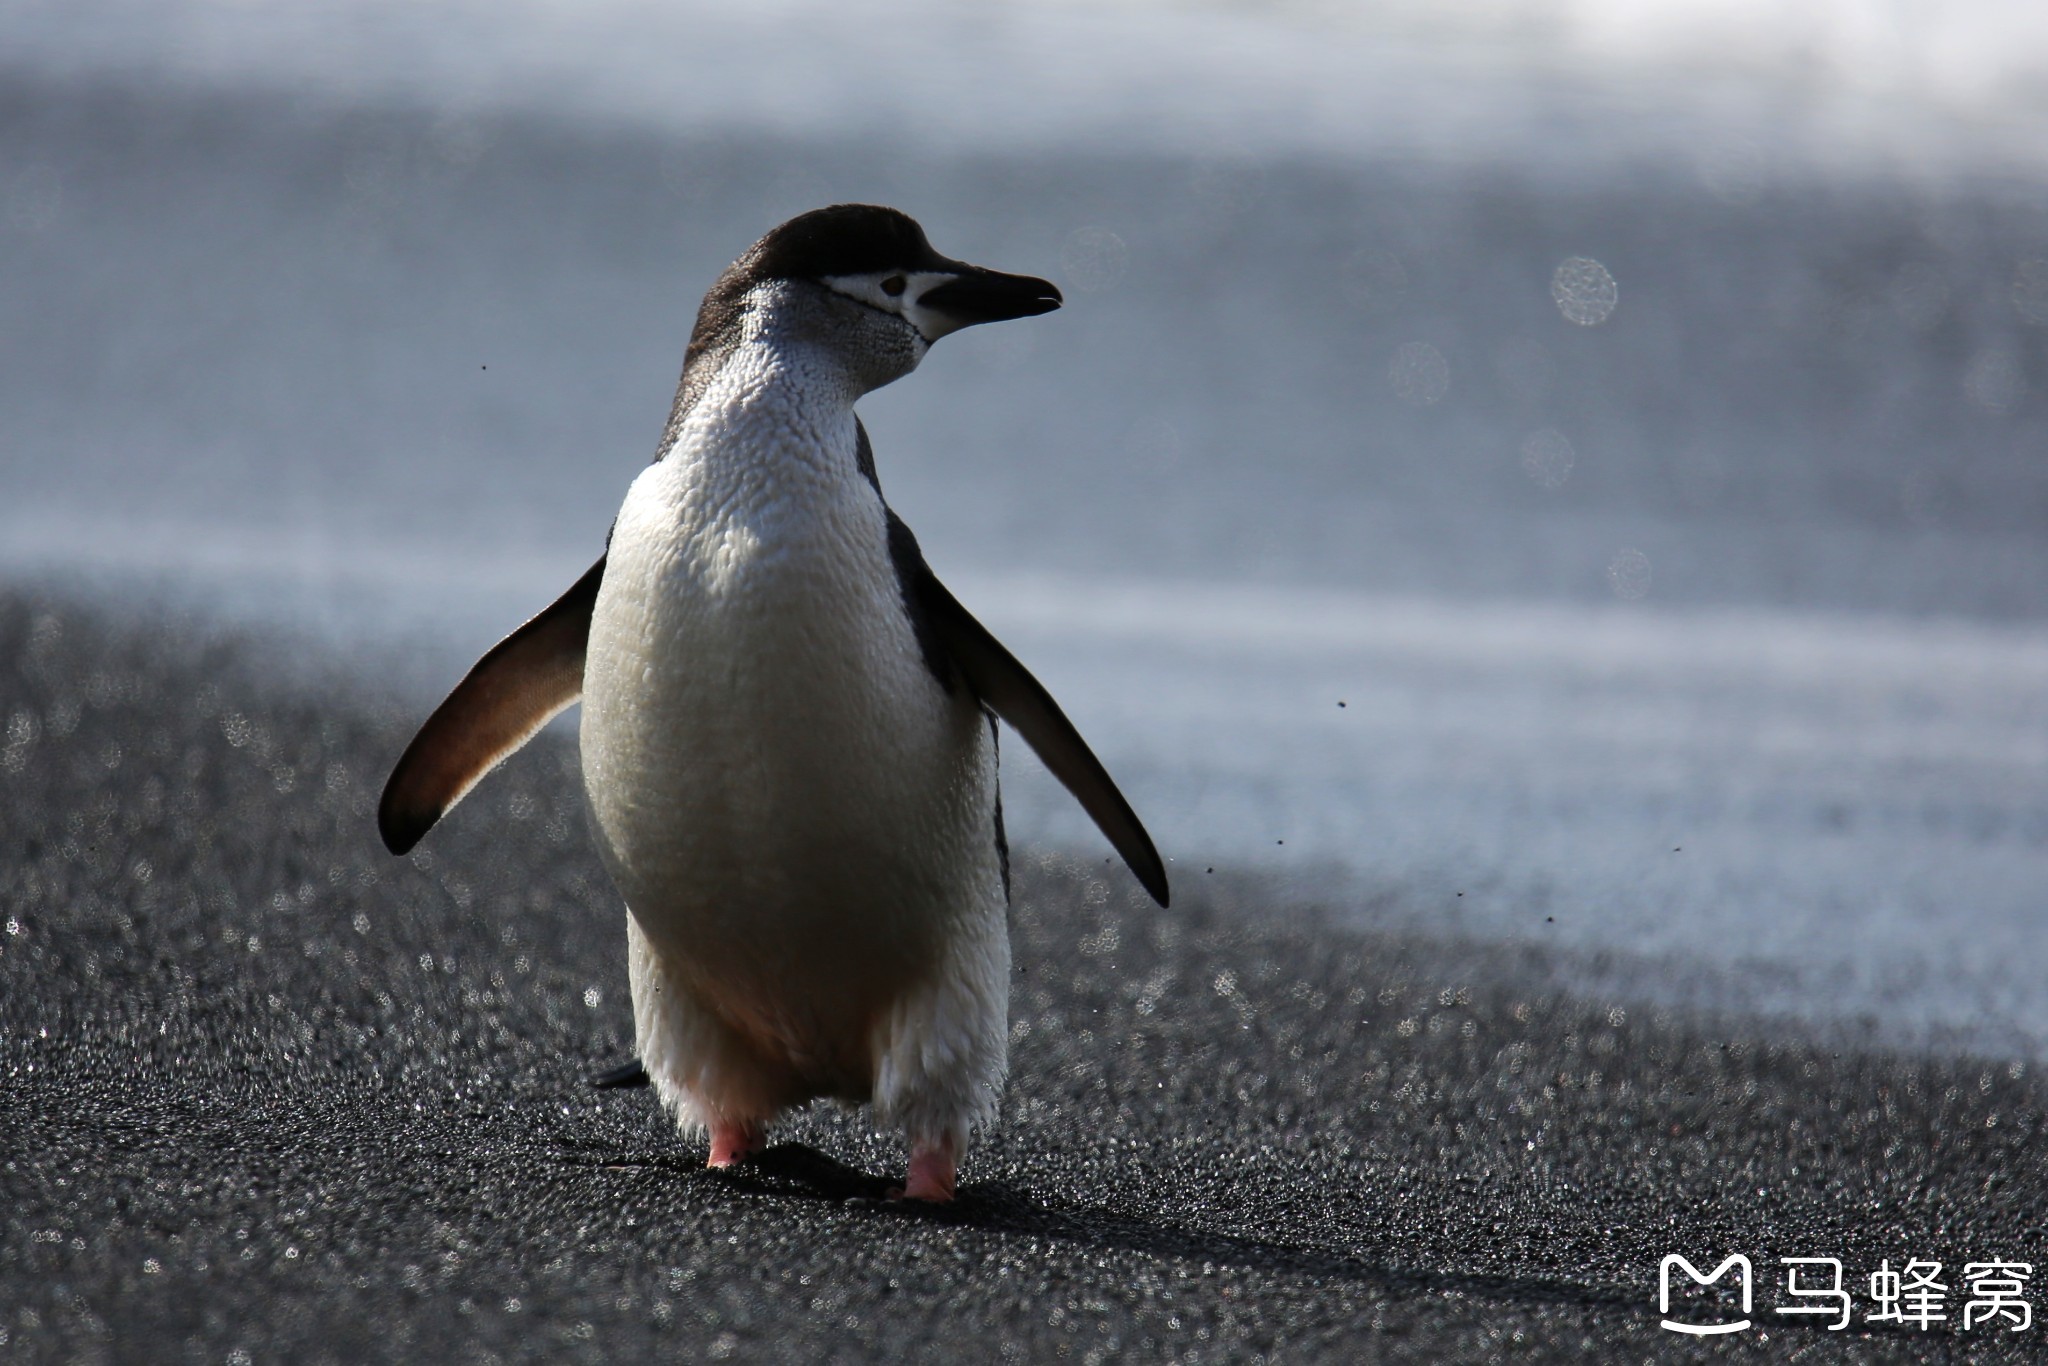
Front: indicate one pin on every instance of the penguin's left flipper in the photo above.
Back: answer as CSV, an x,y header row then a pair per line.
x,y
528,678
1009,690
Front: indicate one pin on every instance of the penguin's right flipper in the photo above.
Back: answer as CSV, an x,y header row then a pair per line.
x,y
528,678
628,1073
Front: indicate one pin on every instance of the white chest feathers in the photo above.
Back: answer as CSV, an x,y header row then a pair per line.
x,y
799,814
785,749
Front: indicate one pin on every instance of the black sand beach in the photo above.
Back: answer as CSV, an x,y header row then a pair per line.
x,y
268,1094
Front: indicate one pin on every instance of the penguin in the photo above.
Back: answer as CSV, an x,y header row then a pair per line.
x,y
789,728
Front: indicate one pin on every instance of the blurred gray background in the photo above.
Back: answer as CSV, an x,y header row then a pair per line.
x,y
1635,417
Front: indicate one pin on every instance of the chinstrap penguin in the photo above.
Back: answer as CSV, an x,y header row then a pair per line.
x,y
789,725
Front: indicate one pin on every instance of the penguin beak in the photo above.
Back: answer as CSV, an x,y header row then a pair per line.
x,y
974,295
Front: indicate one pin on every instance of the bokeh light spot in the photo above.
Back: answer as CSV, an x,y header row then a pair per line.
x,y
1628,574
1584,291
1375,277
34,199
1547,458
1419,374
2030,291
1919,295
1155,444
1094,258
1225,185
1994,381
1734,172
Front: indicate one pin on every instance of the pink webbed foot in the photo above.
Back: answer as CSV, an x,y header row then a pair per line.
x,y
731,1143
931,1172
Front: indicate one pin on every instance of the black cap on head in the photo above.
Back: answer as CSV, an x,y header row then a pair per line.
x,y
836,246
845,239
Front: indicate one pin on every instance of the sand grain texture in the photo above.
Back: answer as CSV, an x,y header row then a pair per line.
x,y
264,1088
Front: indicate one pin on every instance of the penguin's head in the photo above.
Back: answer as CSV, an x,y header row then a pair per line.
x,y
864,278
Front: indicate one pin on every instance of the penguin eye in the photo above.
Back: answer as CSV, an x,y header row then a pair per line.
x,y
894,285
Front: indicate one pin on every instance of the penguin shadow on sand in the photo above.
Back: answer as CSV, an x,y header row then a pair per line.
x,y
794,1170
799,1172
